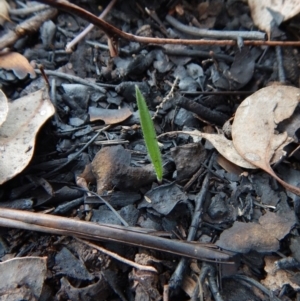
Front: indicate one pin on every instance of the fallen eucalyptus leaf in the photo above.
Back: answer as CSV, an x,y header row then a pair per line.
x,y
25,117
109,116
253,128
264,13
3,107
221,143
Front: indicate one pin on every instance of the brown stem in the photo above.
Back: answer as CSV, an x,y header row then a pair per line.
x,y
96,231
113,33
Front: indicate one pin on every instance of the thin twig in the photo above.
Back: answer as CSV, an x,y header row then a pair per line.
x,y
114,211
211,277
177,276
217,92
154,16
76,154
73,78
281,73
252,281
118,257
115,33
27,10
215,34
105,47
89,28
166,293
166,98
30,25
208,54
195,176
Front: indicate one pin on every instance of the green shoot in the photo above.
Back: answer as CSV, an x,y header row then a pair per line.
x,y
149,134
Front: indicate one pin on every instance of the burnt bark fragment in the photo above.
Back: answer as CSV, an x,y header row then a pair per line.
x,y
207,114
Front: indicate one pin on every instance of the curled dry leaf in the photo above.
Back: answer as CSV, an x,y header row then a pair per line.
x,y
111,168
3,107
17,63
17,134
109,116
254,125
264,13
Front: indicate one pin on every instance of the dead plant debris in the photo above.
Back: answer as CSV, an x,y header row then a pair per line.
x,y
82,216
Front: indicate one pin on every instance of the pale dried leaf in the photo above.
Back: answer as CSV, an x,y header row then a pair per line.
x,y
221,143
253,128
3,107
109,116
4,12
265,12
276,279
17,63
17,134
27,272
260,237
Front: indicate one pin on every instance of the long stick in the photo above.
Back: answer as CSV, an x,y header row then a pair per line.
x,y
114,33
128,235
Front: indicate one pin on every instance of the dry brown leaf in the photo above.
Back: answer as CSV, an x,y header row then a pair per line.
x,y
267,11
276,279
109,116
260,237
253,128
17,134
3,107
221,143
17,63
4,12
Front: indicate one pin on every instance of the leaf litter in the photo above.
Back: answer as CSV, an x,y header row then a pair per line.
x,y
223,145
263,236
17,63
25,117
254,127
244,195
267,13
277,278
255,142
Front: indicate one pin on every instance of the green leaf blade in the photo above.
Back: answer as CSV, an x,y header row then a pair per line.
x,y
149,134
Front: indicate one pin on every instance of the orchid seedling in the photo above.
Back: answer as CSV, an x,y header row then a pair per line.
x,y
149,134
